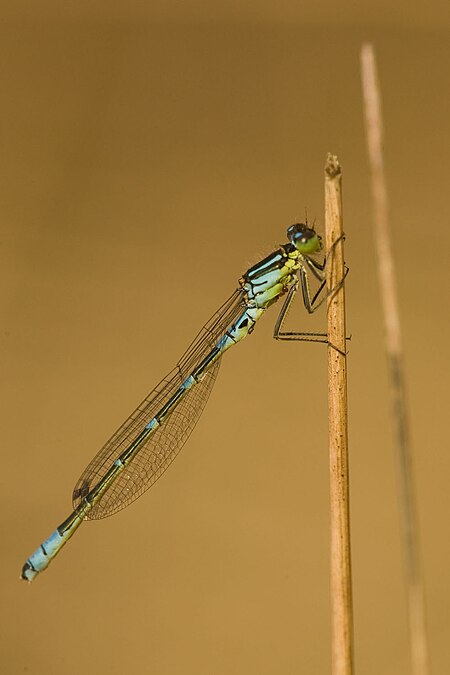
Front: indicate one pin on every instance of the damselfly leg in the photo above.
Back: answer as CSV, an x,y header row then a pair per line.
x,y
310,302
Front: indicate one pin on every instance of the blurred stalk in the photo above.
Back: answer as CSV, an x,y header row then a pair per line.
x,y
394,350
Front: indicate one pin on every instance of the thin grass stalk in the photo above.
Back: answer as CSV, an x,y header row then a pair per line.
x,y
341,583
394,350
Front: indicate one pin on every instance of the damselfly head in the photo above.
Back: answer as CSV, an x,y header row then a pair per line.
x,y
304,238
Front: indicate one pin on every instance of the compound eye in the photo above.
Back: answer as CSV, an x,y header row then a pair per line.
x,y
296,231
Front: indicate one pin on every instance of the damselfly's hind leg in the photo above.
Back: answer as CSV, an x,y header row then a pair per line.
x,y
311,303
280,334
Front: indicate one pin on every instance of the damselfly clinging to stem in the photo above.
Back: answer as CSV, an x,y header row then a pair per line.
x,y
149,440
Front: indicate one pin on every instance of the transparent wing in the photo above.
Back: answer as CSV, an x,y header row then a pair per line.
x,y
164,444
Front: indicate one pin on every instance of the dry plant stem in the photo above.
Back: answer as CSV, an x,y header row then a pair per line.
x,y
341,584
388,290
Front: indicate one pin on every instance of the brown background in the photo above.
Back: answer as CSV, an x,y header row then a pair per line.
x,y
151,152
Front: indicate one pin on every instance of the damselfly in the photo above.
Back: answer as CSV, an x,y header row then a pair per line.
x,y
149,440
